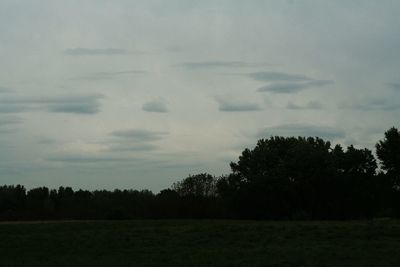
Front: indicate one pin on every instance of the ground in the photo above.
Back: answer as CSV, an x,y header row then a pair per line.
x,y
200,243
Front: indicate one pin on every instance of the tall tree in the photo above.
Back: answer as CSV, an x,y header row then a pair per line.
x,y
388,152
199,185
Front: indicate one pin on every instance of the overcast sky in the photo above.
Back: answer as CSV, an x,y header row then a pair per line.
x,y
139,94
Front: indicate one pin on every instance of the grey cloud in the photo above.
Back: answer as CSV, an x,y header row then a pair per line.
x,y
83,159
140,135
107,75
79,108
373,105
83,104
319,83
4,121
329,133
8,123
395,86
155,106
13,108
293,87
175,49
124,147
4,89
228,105
309,105
216,64
271,76
94,51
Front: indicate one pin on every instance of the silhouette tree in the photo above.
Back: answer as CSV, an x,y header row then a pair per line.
x,y
199,185
198,196
388,152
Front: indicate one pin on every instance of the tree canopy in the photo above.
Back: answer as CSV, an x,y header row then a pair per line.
x,y
280,178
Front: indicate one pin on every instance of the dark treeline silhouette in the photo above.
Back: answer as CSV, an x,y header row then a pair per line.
x,y
280,178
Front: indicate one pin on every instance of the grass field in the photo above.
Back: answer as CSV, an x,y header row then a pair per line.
x,y
200,243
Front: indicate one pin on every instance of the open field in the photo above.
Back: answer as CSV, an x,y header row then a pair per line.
x,y
200,243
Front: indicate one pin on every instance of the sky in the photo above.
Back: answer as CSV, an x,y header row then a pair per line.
x,y
139,94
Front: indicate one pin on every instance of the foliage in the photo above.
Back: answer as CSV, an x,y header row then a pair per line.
x,y
280,178
388,152
200,185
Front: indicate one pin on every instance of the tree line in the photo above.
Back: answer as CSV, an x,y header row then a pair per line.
x,y
280,178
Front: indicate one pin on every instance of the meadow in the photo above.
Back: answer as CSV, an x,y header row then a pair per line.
x,y
200,243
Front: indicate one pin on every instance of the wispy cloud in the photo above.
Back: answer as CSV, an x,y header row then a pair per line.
x,y
175,49
271,76
140,135
293,87
80,104
216,64
4,89
394,86
309,105
159,106
8,123
306,130
107,75
129,147
80,51
373,105
84,159
232,105
8,120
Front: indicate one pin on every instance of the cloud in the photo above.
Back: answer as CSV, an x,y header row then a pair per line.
x,y
216,64
79,108
4,89
373,105
126,147
175,49
4,121
394,86
271,76
79,51
310,105
134,140
83,159
228,105
139,135
107,75
293,87
329,133
7,124
79,104
155,106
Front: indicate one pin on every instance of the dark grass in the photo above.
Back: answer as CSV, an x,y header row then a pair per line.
x,y
200,243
